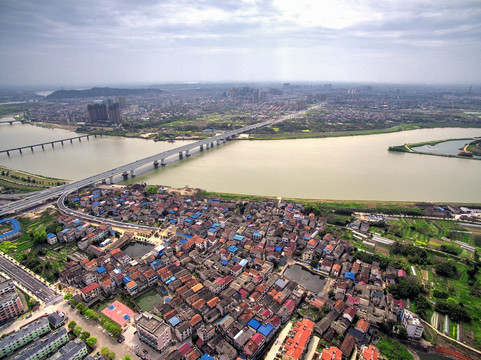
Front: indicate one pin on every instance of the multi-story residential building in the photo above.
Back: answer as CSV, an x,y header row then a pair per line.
x,y
47,345
71,351
153,331
23,336
412,323
10,303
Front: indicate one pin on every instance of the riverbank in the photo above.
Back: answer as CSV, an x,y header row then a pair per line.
x,y
411,148
158,136
358,205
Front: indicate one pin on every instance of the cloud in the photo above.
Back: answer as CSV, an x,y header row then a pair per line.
x,y
250,33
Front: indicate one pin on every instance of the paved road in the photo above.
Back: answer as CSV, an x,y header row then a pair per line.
x,y
271,355
27,280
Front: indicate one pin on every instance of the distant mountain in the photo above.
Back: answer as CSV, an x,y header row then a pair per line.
x,y
98,92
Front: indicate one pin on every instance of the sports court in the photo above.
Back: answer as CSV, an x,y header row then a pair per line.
x,y
118,312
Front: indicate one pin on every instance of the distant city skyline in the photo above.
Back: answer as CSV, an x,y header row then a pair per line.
x,y
96,43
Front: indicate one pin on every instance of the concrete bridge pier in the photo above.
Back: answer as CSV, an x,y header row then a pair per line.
x,y
212,144
104,181
162,162
53,144
88,137
79,139
8,153
111,179
31,148
218,142
61,142
71,141
125,175
156,164
43,147
20,149
180,155
201,148
11,122
187,153
132,173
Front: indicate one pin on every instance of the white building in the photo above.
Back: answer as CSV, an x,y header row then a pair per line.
x,y
412,323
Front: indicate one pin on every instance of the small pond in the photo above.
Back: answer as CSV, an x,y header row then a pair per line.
x,y
306,279
137,250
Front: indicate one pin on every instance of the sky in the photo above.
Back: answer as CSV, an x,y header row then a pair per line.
x,y
102,42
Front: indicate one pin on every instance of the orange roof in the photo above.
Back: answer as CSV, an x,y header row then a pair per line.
x,y
333,353
198,304
195,320
213,302
371,353
89,288
197,287
131,284
363,325
296,344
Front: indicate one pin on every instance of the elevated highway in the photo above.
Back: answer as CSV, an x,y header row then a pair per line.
x,y
129,169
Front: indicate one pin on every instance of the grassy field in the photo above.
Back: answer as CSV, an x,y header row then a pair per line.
x,y
393,350
21,181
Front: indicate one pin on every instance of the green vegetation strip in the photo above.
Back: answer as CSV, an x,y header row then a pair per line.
x,y
393,350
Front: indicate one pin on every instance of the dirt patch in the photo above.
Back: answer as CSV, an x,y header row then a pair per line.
x,y
382,251
425,275
434,241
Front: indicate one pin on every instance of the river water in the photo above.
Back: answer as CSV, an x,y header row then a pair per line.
x,y
445,148
347,168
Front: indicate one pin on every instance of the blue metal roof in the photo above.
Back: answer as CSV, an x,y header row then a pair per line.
x,y
238,237
174,321
232,249
265,329
253,323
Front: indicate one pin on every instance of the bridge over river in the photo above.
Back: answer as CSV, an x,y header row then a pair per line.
x,y
129,169
53,142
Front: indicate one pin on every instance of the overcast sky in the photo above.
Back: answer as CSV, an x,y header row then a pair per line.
x,y
97,42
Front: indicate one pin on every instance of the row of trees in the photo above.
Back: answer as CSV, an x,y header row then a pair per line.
x,y
84,335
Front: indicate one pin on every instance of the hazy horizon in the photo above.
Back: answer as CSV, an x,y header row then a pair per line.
x,y
100,43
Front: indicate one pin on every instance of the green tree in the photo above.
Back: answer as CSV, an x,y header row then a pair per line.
x,y
68,296
84,335
116,331
447,268
73,302
111,355
104,351
79,306
91,341
127,357
77,331
71,325
151,190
